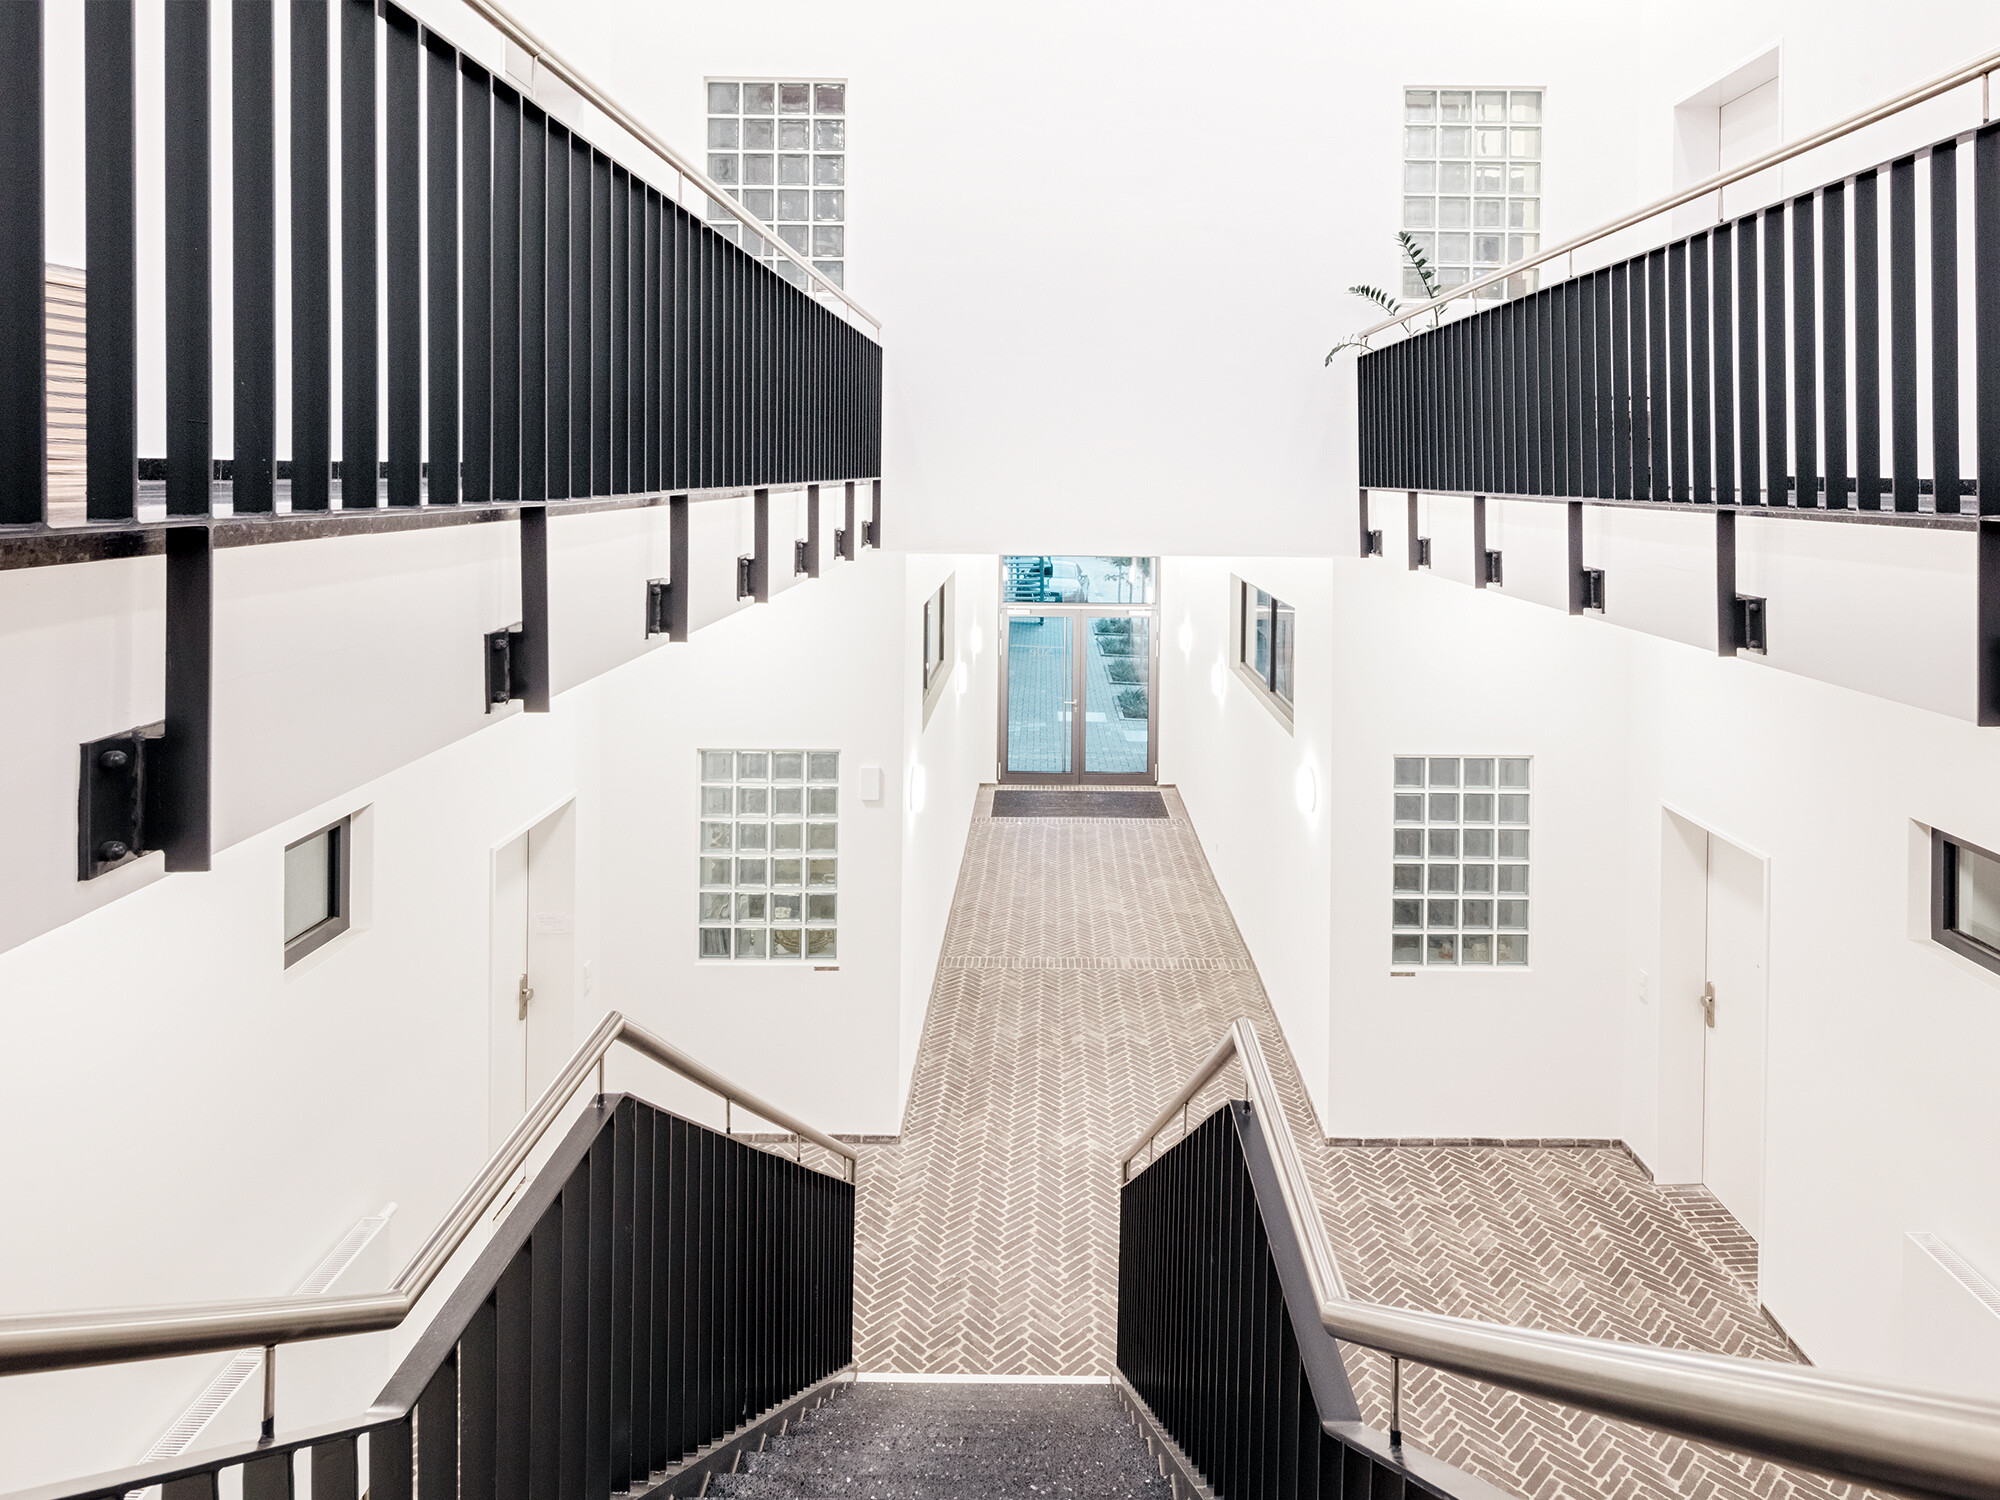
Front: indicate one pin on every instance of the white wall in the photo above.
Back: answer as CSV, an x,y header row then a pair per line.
x,y
946,760
1880,1113
196,1121
1259,792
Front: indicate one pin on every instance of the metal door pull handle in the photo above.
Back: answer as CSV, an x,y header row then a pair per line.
x,y
527,994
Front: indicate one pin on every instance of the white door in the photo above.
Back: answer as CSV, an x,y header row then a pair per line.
x,y
509,975
1733,1046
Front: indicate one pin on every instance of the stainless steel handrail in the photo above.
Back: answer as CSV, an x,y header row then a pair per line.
x,y
1944,83
58,1341
1866,1431
547,57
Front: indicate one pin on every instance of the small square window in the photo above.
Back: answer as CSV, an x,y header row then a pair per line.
x,y
1409,877
785,942
822,906
1407,913
1441,948
1440,913
714,942
759,98
715,906
1477,948
1443,843
1444,807
823,765
1409,843
1478,843
1409,809
1441,878
829,98
821,942
1407,948
316,890
717,765
750,942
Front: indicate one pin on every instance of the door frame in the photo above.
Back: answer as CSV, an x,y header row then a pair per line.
x,y
564,986
1077,614
1682,1039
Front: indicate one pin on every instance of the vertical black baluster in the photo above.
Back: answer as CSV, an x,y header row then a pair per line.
x,y
1582,398
1903,327
531,365
576,1349
478,1377
111,249
1621,382
639,1323
1805,354
390,1462
1541,430
597,1437
404,272
312,258
1986,394
1700,363
437,1434
657,343
1723,347
1867,345
1944,326
24,432
621,1225
189,325
619,354
545,1368
1833,339
512,1353
1558,390
441,133
583,399
603,399
1777,470
1680,487
254,255
360,411
479,294
336,1470
1605,425
556,312
1748,430
1659,395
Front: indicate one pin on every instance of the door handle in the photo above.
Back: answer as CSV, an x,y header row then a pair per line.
x,y
528,993
1708,1003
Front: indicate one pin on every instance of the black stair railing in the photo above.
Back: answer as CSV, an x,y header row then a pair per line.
x,y
1219,1334
545,323
658,1286
1715,370
1804,357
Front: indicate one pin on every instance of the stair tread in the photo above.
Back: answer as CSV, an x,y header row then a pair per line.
x,y
881,1441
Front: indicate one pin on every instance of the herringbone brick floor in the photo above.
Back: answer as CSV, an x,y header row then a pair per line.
x,y
1088,966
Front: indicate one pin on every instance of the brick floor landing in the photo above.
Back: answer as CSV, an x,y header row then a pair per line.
x,y
1088,965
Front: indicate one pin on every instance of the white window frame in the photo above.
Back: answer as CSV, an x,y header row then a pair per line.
x,y
824,212
935,669
1419,893
1516,241
1242,594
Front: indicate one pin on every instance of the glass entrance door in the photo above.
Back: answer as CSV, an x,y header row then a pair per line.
x,y
1041,691
1077,692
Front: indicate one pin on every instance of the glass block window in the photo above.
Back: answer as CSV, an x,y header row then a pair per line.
x,y
1460,873
1472,183
781,150
770,855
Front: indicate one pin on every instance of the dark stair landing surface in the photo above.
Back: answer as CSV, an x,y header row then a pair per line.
x,y
940,1442
1038,802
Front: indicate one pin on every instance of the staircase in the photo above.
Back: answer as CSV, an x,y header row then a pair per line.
x,y
915,1442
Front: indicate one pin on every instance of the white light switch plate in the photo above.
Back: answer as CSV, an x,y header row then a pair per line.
x,y
871,783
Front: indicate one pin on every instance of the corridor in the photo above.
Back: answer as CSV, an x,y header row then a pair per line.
x,y
1089,965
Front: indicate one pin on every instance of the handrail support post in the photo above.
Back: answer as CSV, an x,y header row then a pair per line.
x,y
1395,1401
270,1428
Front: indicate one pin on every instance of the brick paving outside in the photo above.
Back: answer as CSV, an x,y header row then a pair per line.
x,y
1088,965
